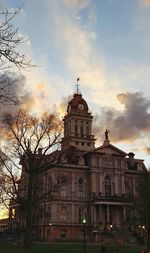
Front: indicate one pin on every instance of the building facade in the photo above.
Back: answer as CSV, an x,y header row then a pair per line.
x,y
100,184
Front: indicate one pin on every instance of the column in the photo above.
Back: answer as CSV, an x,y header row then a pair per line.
x,y
100,213
84,128
79,125
94,214
72,127
108,214
73,183
123,184
101,183
93,182
124,217
116,184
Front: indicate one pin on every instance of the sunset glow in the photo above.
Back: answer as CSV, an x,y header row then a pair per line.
x,y
106,44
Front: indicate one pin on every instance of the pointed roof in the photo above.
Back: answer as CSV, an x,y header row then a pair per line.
x,y
108,148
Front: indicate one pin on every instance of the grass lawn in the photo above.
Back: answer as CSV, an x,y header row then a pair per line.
x,y
63,248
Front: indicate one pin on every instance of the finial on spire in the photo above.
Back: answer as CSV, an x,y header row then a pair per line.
x,y
77,85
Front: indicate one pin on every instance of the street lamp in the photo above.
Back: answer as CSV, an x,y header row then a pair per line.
x,y
50,232
143,231
84,223
111,226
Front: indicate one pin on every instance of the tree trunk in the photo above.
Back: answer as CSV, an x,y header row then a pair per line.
x,y
148,240
28,217
28,229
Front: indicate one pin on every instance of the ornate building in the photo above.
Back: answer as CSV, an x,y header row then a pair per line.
x,y
99,183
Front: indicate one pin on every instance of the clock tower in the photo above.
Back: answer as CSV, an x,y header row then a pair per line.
x,y
78,125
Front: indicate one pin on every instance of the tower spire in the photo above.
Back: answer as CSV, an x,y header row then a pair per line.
x,y
77,85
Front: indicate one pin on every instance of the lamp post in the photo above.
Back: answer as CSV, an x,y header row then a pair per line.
x,y
84,223
50,232
143,232
111,226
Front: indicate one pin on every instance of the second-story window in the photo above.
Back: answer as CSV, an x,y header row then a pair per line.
x,y
63,191
63,214
80,187
80,215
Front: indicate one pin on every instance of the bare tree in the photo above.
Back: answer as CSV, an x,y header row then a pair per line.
x,y
10,55
142,207
24,162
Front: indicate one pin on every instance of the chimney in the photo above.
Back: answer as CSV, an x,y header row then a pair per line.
x,y
131,155
39,151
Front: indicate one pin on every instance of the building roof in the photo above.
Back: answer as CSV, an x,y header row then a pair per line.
x,y
109,149
74,103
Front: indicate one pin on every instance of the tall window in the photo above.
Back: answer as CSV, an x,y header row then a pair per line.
x,y
63,214
87,129
80,215
63,191
76,130
81,129
80,187
108,185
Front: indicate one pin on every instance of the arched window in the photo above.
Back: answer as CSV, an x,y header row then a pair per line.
x,y
81,131
87,131
76,130
80,187
108,185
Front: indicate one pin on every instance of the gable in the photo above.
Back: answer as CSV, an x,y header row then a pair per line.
x,y
110,149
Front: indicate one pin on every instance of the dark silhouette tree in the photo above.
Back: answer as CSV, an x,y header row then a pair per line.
x,y
142,206
10,55
31,149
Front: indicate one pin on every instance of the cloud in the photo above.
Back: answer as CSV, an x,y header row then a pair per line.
x,y
145,3
129,124
33,98
15,89
13,86
141,21
79,4
62,106
76,44
147,150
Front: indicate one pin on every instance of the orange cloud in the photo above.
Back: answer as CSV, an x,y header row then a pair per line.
x,y
146,3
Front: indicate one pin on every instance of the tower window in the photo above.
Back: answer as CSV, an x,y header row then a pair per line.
x,y
76,130
81,129
69,128
87,131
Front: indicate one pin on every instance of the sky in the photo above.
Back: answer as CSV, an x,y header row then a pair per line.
x,y
106,44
